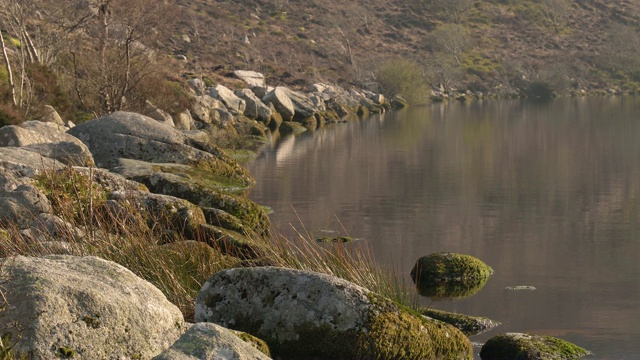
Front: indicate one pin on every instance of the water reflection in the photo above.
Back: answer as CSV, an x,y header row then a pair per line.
x,y
546,194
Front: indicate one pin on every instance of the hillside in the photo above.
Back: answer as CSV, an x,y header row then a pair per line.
x,y
89,58
484,45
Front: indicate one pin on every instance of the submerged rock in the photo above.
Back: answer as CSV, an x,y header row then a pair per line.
x,y
85,308
302,314
469,325
518,346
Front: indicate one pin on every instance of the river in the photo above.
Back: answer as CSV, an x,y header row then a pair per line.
x,y
548,194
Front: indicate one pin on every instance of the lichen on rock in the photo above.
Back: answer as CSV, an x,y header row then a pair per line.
x,y
519,346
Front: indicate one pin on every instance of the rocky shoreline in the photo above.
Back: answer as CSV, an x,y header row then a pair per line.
x,y
166,176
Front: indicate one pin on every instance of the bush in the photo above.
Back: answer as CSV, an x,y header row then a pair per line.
x,y
403,77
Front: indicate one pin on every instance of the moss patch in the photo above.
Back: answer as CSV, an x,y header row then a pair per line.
x,y
469,325
516,346
257,343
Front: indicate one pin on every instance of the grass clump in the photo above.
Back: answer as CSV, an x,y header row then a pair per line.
x,y
178,268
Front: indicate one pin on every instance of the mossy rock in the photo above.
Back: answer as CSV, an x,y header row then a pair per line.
x,y
233,243
448,274
446,266
337,239
469,325
257,343
291,127
519,346
307,315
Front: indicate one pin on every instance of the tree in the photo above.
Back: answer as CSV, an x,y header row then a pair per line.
x,y
453,10
555,11
403,77
113,56
449,39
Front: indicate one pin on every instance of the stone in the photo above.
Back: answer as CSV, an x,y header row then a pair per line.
x,y
281,102
25,163
49,227
207,341
521,346
302,105
446,266
469,325
255,109
302,314
158,114
291,127
85,308
234,104
184,121
251,78
165,214
71,153
51,115
134,136
33,132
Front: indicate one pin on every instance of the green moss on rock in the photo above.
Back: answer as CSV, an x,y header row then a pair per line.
x,y
257,343
469,325
518,346
450,274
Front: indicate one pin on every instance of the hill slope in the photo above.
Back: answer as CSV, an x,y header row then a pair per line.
x,y
484,45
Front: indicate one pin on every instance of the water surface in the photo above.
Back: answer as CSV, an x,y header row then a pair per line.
x,y
547,194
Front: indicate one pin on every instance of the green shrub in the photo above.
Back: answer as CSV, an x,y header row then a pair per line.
x,y
403,77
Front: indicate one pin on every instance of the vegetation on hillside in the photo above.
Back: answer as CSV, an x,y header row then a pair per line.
x,y
91,57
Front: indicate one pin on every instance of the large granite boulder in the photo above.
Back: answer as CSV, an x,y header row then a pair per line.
x,y
255,109
207,341
251,78
233,103
85,308
282,103
303,314
303,106
134,136
158,114
20,199
518,346
52,116
47,139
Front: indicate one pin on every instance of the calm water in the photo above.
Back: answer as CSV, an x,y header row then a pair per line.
x,y
546,194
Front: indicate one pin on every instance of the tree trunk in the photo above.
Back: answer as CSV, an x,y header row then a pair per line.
x,y
12,85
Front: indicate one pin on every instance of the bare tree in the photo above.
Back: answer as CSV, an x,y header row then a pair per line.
x,y
555,11
450,39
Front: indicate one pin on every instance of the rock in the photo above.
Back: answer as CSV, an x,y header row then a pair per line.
x,y
337,239
73,153
233,243
48,227
449,275
445,266
255,108
303,106
47,139
251,78
469,325
159,115
35,132
398,102
223,219
207,341
180,57
199,187
520,346
281,102
52,116
134,136
233,103
184,121
197,85
261,91
302,314
378,99
85,308
291,127
164,213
